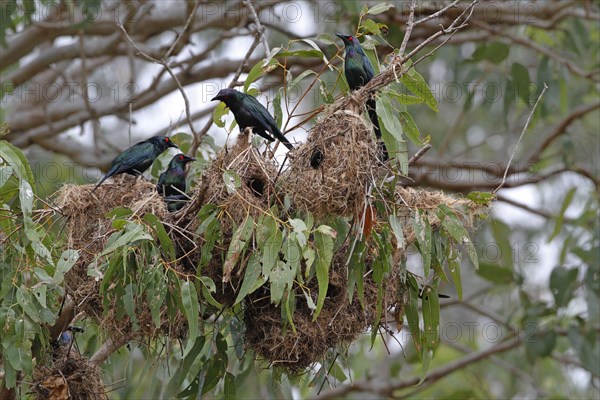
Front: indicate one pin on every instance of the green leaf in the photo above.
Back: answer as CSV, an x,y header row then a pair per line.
x,y
271,252
540,345
324,248
132,234
423,235
561,215
129,304
391,131
484,198
281,277
218,115
457,232
67,259
252,278
166,244
305,53
229,391
494,52
232,181
495,274
416,84
14,157
259,69
239,241
397,229
563,282
521,81
410,128
454,266
185,366
412,312
191,310
379,8
371,27
431,318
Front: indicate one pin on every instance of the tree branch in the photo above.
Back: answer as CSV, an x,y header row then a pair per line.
x,y
366,385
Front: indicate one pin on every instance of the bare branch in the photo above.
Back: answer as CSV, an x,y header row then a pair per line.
x,y
409,27
387,389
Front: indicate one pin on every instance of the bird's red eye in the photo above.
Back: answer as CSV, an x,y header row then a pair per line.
x,y
181,157
226,96
167,139
350,38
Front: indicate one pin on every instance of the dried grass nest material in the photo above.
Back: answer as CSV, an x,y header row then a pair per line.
x,y
257,183
68,376
339,323
88,231
408,199
329,173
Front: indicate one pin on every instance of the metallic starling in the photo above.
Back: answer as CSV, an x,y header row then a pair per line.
x,y
136,159
248,112
359,71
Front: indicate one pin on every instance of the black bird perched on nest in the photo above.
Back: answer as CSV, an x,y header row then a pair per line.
x,y
248,112
137,158
359,71
171,183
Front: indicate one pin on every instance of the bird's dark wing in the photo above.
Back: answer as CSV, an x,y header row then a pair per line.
x,y
136,159
368,67
262,115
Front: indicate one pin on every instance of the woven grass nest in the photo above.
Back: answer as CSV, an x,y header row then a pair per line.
x,y
339,323
328,174
252,197
67,375
88,231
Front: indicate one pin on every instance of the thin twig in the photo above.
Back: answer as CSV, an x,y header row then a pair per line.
x,y
419,154
409,27
519,140
183,31
164,63
257,39
436,14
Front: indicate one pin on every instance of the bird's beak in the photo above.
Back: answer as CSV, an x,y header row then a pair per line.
x,y
215,98
190,159
343,37
171,144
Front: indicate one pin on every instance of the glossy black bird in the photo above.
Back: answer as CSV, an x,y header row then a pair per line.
x,y
172,181
248,112
136,159
359,71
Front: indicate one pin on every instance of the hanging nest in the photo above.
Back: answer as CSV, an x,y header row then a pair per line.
x,y
256,187
67,375
88,231
328,174
251,196
339,323
407,199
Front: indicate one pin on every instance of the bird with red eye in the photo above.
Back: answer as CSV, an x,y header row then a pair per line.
x,y
137,158
172,184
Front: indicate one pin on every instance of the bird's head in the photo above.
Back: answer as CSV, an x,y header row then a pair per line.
x,y
349,40
227,96
182,159
163,142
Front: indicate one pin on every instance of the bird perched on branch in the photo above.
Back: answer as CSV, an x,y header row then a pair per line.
x,y
171,183
137,158
359,71
248,112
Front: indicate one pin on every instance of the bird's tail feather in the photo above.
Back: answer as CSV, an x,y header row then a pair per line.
x,y
99,183
371,108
